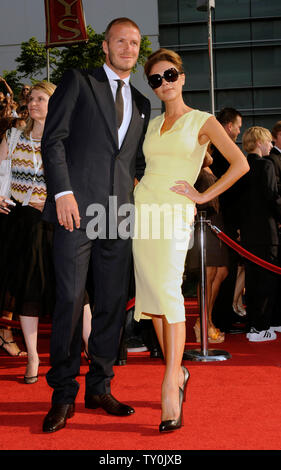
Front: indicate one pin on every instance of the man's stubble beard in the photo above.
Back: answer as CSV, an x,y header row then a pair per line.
x,y
119,66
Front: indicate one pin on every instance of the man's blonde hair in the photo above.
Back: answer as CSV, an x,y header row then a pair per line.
x,y
253,135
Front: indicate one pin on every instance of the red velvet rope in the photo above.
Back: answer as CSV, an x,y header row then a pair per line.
x,y
245,253
46,328
43,328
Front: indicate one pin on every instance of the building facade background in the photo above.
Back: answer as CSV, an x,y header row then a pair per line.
x,y
246,47
246,55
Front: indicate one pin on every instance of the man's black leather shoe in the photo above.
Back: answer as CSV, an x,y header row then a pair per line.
x,y
232,330
108,403
156,353
57,417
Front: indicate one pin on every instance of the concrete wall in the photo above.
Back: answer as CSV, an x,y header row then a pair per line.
x,y
22,19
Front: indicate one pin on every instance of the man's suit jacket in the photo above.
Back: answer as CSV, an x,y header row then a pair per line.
x,y
275,157
261,204
80,143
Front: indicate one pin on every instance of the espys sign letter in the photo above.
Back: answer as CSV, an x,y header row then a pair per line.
x,y
65,22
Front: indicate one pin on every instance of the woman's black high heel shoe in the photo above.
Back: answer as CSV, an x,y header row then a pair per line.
x,y
31,379
173,424
186,376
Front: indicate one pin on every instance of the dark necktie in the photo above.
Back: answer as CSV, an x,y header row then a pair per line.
x,y
119,104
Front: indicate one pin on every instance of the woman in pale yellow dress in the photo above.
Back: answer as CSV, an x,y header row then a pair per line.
x,y
174,148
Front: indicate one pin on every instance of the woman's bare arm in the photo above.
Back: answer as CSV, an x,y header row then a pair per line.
x,y
212,130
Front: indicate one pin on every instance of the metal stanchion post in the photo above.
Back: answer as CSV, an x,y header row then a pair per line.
x,y
204,354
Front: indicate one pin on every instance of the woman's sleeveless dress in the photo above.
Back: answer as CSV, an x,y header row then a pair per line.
x,y
164,219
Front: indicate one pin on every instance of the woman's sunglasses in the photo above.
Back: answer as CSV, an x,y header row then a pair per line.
x,y
156,80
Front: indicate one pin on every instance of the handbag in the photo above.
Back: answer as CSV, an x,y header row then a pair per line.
x,y
6,167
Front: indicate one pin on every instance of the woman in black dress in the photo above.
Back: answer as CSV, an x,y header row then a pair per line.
x,y
216,252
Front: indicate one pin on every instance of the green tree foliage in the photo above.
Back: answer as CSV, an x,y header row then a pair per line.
x,y
82,55
33,58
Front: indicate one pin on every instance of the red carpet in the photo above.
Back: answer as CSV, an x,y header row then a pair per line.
x,y
231,405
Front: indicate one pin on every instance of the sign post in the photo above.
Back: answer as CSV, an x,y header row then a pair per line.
x,y
65,25
207,5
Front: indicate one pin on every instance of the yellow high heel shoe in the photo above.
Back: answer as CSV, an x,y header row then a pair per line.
x,y
214,334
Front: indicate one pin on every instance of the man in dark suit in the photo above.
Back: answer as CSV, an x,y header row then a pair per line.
x,y
259,231
92,151
275,152
275,157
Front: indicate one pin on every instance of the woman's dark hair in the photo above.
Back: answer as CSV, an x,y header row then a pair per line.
x,y
160,55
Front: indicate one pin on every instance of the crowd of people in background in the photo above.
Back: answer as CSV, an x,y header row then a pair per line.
x,y
242,297
251,215
13,112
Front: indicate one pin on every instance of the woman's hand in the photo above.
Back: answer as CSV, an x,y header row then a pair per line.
x,y
185,189
38,205
4,206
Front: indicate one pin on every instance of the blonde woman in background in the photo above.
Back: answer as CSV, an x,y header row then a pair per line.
x,y
26,274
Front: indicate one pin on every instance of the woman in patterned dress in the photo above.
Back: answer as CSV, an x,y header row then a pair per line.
x,y
26,274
